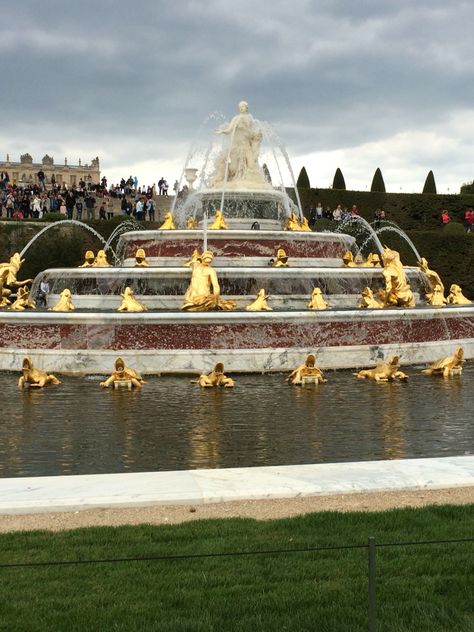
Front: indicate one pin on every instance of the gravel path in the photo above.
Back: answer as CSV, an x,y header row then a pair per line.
x,y
257,509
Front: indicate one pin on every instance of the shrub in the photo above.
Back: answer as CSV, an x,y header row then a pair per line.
x,y
303,180
378,185
339,182
430,184
52,216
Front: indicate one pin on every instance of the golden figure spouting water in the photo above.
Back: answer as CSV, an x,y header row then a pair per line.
x,y
456,297
34,377
260,304
4,291
308,371
191,223
219,222
122,374
23,300
317,300
368,301
129,302
168,223
203,293
435,283
452,365
101,260
397,289
65,302
215,378
384,371
9,271
281,260
140,259
89,259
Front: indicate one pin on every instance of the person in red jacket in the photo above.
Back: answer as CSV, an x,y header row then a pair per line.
x,y
445,217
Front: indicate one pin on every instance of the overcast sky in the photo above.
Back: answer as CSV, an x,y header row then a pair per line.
x,y
355,84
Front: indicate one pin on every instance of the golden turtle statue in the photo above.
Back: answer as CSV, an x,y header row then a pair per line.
x,y
307,372
122,375
384,371
215,378
34,377
452,365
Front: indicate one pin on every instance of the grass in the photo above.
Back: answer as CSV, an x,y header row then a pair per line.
x,y
422,587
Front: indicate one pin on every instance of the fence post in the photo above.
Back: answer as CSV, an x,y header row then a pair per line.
x,y
372,593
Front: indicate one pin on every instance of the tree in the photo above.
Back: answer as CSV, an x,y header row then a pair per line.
x,y
303,180
266,173
430,184
378,185
339,182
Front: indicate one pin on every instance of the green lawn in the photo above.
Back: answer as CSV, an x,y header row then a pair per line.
x,y
423,587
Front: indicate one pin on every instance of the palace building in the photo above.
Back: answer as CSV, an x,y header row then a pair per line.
x,y
26,171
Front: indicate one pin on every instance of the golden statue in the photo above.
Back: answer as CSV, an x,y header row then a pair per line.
x,y
101,260
9,271
348,259
434,281
305,226
4,292
215,378
89,259
446,367
317,300
307,372
65,302
219,222
373,261
191,223
129,302
456,297
23,300
260,304
34,377
281,259
292,223
384,371
122,375
397,289
196,257
368,301
436,297
203,293
140,259
168,224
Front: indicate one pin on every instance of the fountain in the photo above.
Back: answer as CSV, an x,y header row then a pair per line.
x,y
188,328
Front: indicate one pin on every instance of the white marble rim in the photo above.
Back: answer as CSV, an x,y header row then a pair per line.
x,y
198,487
236,233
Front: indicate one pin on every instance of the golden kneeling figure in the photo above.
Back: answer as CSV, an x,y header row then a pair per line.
x,y
317,300
140,259
129,302
122,375
307,372
23,300
89,259
367,300
215,378
35,378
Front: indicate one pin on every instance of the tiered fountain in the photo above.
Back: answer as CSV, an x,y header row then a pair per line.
x,y
167,339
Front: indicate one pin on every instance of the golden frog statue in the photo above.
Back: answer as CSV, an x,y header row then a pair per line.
x,y
34,377
215,378
436,297
168,223
368,301
123,373
292,223
452,365
101,260
219,222
129,302
373,261
348,259
307,370
304,226
384,371
65,302
203,293
317,300
191,223
397,289
456,297
23,300
281,259
89,259
260,304
140,259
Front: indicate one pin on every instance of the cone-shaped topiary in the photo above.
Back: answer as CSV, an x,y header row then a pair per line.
x,y
339,182
303,180
378,185
430,184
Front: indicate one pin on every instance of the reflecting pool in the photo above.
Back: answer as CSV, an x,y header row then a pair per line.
x,y
78,428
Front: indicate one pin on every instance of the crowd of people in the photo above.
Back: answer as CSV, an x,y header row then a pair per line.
x,y
339,214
